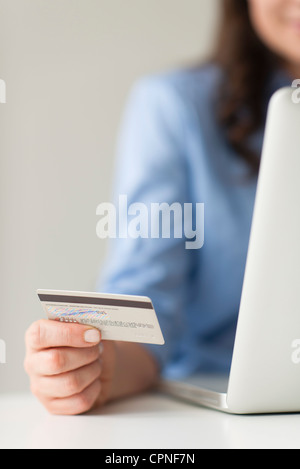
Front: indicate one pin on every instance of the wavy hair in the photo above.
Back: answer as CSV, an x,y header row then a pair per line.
x,y
247,65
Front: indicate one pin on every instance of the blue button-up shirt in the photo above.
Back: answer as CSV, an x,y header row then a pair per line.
x,y
172,149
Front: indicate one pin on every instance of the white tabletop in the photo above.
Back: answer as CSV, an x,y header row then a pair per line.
x,y
150,421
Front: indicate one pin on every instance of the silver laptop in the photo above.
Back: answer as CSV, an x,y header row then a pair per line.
x,y
265,369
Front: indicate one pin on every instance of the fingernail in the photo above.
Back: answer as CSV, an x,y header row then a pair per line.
x,y
92,336
101,348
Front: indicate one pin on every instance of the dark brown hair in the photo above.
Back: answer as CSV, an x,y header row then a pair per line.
x,y
247,65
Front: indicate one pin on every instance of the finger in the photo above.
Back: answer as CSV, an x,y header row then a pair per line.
x,y
74,405
45,334
66,384
60,360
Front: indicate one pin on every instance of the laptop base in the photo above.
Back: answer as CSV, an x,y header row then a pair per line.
x,y
202,390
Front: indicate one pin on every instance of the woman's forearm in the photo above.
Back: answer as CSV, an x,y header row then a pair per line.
x,y
135,370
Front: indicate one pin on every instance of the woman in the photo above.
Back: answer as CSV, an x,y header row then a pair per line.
x,y
189,136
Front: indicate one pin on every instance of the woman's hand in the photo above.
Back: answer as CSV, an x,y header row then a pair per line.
x,y
70,369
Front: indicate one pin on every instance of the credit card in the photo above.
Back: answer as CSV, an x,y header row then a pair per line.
x,y
119,317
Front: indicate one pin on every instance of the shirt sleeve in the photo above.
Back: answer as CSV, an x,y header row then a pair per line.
x,y
151,168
